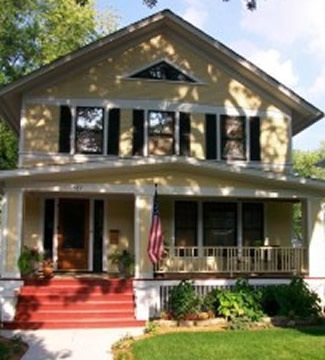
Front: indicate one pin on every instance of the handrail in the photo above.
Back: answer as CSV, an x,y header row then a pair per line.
x,y
232,259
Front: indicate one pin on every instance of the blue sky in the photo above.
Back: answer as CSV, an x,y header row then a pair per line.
x,y
283,38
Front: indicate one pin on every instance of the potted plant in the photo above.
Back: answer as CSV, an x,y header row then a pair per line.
x,y
29,261
124,261
48,267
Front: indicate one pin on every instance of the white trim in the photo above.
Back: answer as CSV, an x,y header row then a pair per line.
x,y
77,190
4,232
239,223
162,105
177,135
55,242
91,234
21,138
20,221
73,109
128,76
105,234
137,222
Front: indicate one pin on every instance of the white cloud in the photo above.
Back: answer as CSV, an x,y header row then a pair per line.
x,y
289,22
195,12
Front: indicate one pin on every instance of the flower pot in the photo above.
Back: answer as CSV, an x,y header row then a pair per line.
x,y
48,271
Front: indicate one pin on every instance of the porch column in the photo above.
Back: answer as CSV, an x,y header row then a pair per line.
x,y
142,221
12,223
313,216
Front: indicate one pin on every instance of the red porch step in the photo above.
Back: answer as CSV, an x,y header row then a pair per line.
x,y
67,303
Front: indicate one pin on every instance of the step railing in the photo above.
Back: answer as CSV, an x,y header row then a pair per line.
x,y
257,260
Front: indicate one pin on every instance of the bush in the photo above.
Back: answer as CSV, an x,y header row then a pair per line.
x,y
183,303
293,300
241,301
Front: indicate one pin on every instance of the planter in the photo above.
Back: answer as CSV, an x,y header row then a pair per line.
x,y
48,272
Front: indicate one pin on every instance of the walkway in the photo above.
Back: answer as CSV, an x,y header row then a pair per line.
x,y
79,344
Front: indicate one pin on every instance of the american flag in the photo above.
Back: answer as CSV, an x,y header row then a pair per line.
x,y
155,243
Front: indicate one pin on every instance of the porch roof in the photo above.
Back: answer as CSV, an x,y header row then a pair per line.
x,y
304,113
173,164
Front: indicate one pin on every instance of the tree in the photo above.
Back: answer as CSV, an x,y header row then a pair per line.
x,y
250,4
34,33
305,165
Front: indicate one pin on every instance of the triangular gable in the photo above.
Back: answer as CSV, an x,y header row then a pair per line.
x,y
304,114
162,70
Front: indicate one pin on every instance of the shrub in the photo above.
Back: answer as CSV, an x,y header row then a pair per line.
x,y
240,301
293,300
183,303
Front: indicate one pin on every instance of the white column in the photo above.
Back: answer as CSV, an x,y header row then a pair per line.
x,y
142,221
315,235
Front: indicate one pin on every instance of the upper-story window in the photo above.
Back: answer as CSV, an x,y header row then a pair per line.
x,y
89,130
162,71
235,138
161,132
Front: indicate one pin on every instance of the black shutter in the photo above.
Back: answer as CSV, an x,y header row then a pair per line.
x,y
184,133
98,226
113,132
138,132
48,227
211,136
65,129
254,139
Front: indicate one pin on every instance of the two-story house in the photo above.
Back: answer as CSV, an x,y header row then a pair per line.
x,y
159,102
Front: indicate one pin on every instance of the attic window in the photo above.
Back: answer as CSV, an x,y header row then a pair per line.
x,y
162,71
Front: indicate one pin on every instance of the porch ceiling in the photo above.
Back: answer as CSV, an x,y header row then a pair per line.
x,y
127,171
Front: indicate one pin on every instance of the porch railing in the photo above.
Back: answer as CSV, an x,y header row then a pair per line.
x,y
254,260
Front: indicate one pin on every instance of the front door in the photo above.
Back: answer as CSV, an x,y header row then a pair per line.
x,y
73,234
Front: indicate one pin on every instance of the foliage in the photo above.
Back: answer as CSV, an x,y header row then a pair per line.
x,y
8,148
36,32
124,260
29,261
151,328
250,4
266,344
241,301
183,301
305,163
293,300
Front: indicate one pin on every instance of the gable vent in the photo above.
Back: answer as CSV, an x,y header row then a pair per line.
x,y
162,71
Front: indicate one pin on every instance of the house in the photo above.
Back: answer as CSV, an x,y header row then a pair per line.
x,y
159,102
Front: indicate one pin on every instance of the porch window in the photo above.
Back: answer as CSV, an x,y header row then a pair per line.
x,y
253,221
161,132
219,224
186,223
89,130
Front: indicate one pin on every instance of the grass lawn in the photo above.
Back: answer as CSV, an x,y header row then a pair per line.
x,y
271,344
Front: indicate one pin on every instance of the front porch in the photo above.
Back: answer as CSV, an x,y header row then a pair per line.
x,y
246,260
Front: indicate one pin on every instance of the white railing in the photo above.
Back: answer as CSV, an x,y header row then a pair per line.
x,y
254,260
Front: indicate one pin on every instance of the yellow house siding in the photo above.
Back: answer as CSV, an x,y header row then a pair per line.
x,y
275,144
107,78
279,218
197,143
120,216
32,220
126,134
41,128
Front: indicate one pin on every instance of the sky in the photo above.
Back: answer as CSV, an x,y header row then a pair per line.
x,y
285,38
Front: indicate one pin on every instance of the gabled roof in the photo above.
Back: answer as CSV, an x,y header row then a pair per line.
x,y
303,112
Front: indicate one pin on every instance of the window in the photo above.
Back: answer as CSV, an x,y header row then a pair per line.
x,y
219,224
89,130
233,138
161,129
253,217
162,71
186,223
